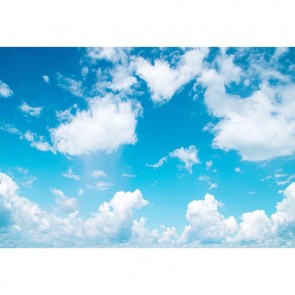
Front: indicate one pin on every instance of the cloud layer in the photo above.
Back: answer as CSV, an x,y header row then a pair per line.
x,y
113,223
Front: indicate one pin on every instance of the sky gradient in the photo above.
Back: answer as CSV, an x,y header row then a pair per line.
x,y
147,147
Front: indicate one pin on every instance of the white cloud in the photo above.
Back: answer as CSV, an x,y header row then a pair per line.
x,y
255,226
112,222
284,217
280,51
46,79
188,156
84,72
63,202
164,80
121,78
71,175
98,174
278,229
209,164
213,186
238,170
80,192
103,185
5,91
159,163
206,223
267,114
204,178
28,182
107,53
71,85
128,175
32,111
143,236
39,144
108,123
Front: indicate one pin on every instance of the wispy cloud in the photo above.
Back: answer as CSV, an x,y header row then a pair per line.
x,y
29,110
71,175
71,85
128,175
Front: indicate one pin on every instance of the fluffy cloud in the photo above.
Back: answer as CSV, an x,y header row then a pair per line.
x,y
111,223
107,53
63,202
255,226
121,78
188,156
284,217
108,123
5,91
32,111
267,114
206,223
142,236
164,80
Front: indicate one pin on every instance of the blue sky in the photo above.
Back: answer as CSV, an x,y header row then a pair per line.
x,y
147,147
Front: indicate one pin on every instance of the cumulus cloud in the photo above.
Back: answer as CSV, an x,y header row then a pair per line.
x,y
142,236
5,91
37,142
164,80
112,222
267,114
108,123
187,156
206,223
255,226
32,111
